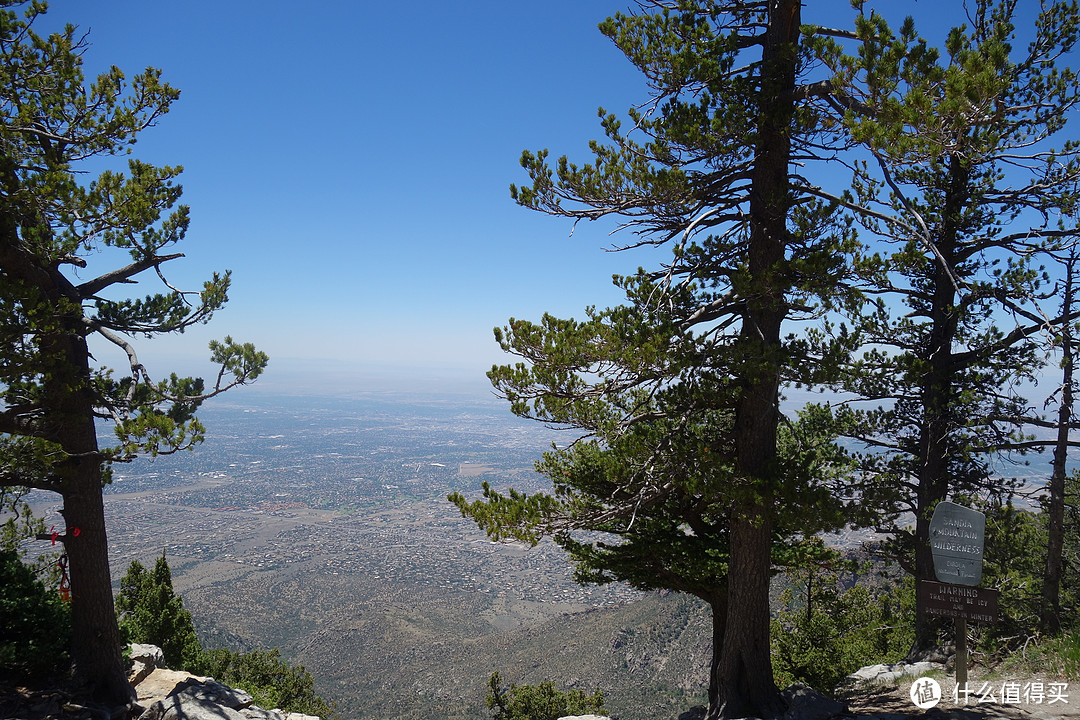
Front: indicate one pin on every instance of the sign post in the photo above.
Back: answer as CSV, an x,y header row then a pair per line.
x,y
957,535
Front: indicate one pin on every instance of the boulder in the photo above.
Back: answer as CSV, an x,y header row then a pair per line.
x,y
805,703
212,691
254,712
160,684
145,659
147,654
139,671
887,674
300,716
185,707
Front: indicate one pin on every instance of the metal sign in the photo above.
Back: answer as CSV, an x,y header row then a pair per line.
x,y
956,542
959,601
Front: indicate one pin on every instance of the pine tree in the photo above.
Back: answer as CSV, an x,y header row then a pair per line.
x,y
53,219
151,612
968,184
682,384
1054,500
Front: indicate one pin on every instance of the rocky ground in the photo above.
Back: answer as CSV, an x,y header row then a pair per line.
x,y
167,695
893,701
162,694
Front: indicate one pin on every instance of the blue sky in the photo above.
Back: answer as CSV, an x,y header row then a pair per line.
x,y
349,162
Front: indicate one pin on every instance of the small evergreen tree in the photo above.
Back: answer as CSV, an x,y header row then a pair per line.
x,y
830,631
151,612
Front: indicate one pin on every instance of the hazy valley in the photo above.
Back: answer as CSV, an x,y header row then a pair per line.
x,y
320,526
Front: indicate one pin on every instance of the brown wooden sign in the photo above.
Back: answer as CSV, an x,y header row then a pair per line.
x,y
961,602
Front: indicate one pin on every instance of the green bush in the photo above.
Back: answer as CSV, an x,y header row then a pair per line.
x,y
151,612
271,681
829,632
35,622
539,702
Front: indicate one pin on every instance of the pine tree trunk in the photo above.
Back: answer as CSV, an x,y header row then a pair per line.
x,y
718,606
96,645
95,642
926,628
936,388
744,675
1050,616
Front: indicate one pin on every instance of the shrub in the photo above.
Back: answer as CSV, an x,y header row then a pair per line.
x,y
150,612
271,681
834,631
539,702
36,624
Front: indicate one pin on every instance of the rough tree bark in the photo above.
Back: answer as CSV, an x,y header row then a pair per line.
x,y
744,672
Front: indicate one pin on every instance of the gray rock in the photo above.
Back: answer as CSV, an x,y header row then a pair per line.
x,y
254,712
1042,715
145,660
213,691
921,668
184,707
869,673
160,684
887,674
139,672
147,654
805,703
584,717
300,716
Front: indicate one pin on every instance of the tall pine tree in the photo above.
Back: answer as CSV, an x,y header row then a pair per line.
x,y
53,220
968,185
681,386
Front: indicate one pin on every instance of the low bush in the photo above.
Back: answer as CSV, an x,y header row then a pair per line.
x,y
539,702
36,624
829,631
271,681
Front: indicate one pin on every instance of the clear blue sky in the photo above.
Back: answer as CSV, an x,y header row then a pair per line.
x,y
349,162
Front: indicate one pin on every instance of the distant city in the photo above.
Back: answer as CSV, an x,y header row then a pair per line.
x,y
305,517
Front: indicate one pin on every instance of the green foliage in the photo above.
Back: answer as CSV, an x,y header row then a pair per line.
x,y
36,624
1014,563
150,612
1014,559
1070,577
271,681
539,702
60,228
830,629
1057,656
